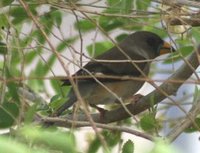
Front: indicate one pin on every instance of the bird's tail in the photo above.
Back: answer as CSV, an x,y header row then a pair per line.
x,y
63,107
71,100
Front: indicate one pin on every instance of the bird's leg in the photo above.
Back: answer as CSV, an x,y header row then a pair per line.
x,y
136,98
101,110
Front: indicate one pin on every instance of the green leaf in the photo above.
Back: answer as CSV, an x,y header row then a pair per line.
x,y
30,56
37,34
192,129
65,43
4,3
57,101
110,23
113,2
128,147
85,25
119,6
9,112
20,15
3,21
121,37
12,87
98,48
94,146
127,6
42,68
112,139
57,17
56,85
30,114
148,122
60,141
162,146
195,33
183,51
47,23
3,48
142,5
8,145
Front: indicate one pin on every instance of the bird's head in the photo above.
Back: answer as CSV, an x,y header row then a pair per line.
x,y
152,43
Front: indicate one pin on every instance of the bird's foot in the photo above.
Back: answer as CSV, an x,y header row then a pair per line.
x,y
100,110
136,98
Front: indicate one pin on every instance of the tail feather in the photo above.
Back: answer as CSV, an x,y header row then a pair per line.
x,y
62,108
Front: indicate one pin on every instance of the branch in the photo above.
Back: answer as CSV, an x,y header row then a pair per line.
x,y
180,127
183,73
63,123
179,2
185,21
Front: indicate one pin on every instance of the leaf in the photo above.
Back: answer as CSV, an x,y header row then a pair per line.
x,y
30,56
94,146
162,146
8,145
142,5
65,43
3,21
3,48
127,6
183,51
98,48
4,3
37,34
128,147
57,101
113,2
9,109
121,37
112,138
108,23
56,85
12,87
20,15
8,114
57,17
30,114
85,25
148,122
60,141
192,129
195,33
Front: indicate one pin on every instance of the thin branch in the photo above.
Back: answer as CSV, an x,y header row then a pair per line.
x,y
185,21
179,2
40,28
65,123
180,127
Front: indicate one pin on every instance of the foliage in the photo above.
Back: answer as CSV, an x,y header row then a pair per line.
x,y
28,60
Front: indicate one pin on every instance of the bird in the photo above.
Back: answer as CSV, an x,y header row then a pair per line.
x,y
119,61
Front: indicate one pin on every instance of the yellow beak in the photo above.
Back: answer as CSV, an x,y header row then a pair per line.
x,y
166,48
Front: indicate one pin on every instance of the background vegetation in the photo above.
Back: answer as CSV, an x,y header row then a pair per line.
x,y
41,41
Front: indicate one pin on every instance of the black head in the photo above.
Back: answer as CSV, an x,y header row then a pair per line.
x,y
151,42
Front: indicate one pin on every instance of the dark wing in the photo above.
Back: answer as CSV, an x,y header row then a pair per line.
x,y
113,68
118,69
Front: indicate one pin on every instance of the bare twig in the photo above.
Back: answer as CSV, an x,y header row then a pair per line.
x,y
40,28
65,123
179,2
180,127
